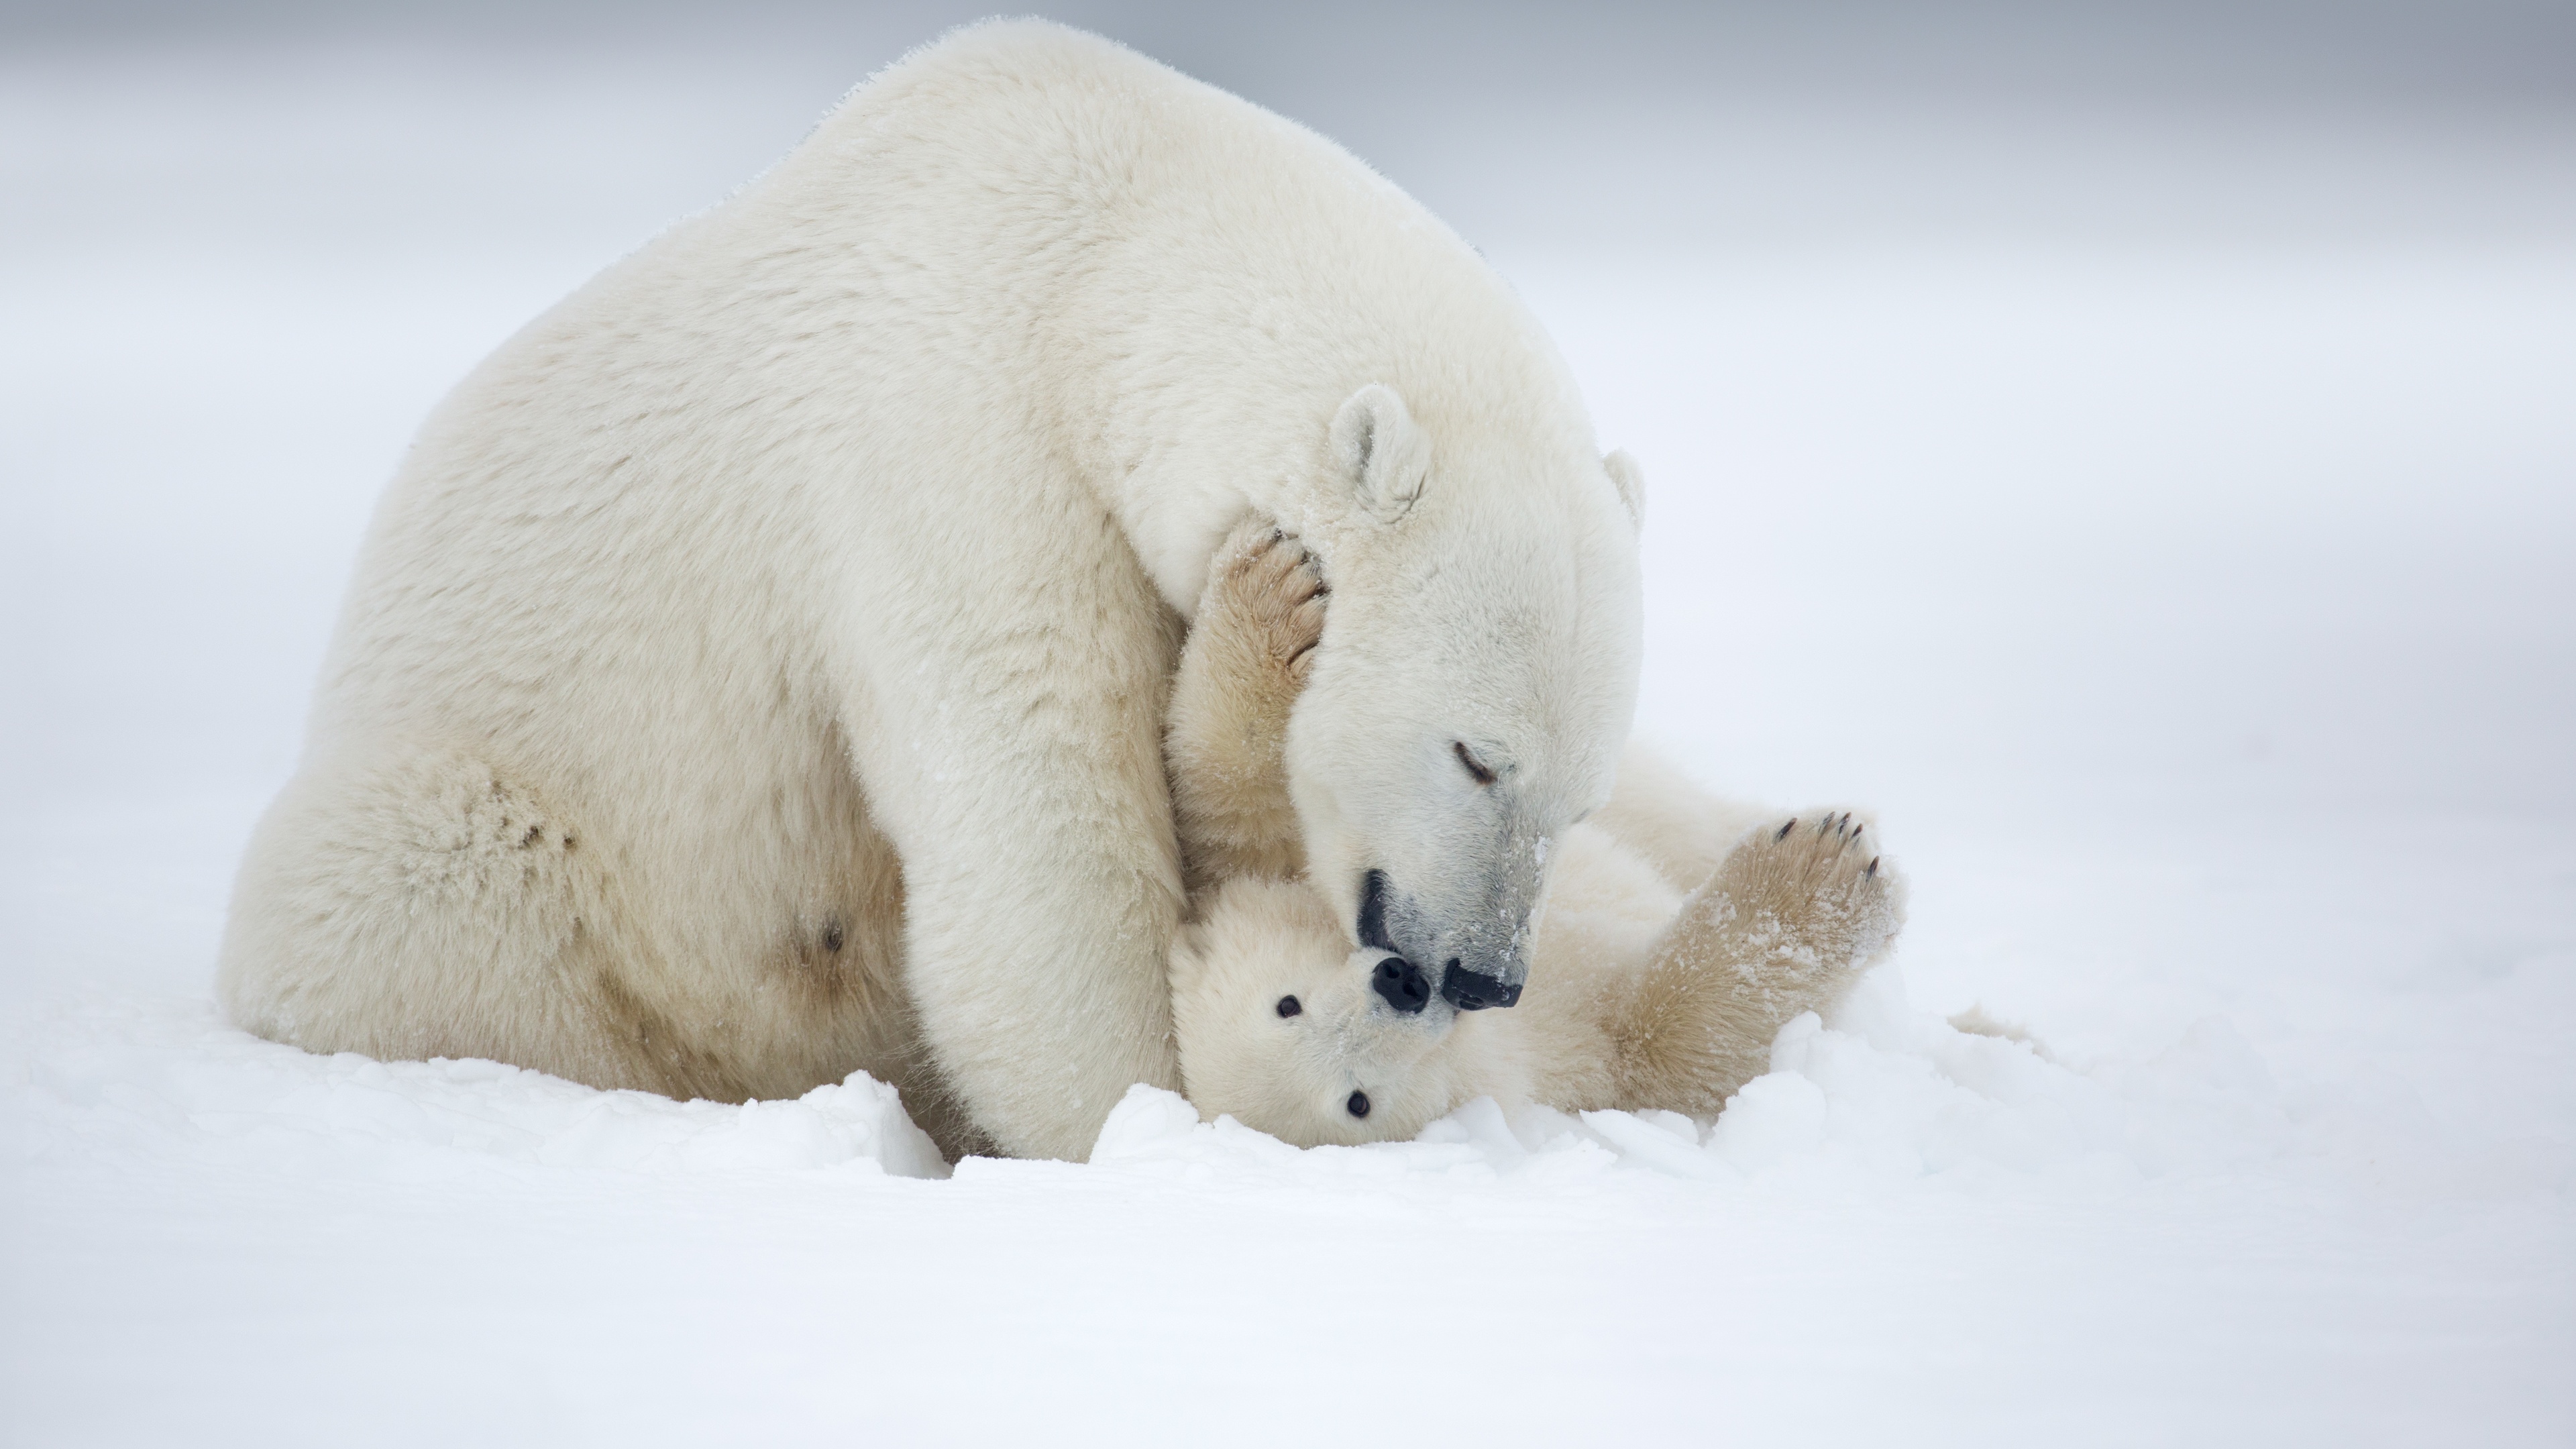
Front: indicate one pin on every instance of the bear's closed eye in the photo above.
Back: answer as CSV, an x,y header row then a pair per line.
x,y
1475,767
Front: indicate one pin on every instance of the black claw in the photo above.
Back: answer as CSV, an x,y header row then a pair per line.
x,y
1785,829
1872,872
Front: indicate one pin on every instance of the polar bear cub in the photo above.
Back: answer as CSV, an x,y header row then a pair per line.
x,y
1678,935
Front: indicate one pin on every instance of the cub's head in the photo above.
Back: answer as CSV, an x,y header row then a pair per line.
x,y
1474,686
1282,1026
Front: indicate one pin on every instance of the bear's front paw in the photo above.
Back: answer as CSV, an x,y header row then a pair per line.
x,y
1270,591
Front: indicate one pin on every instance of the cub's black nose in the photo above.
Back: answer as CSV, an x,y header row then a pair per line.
x,y
1402,984
1474,990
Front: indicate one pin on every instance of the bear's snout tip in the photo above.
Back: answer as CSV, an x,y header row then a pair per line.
x,y
1402,984
1474,990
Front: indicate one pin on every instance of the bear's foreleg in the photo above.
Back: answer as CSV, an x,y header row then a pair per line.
x,y
1009,743
1246,658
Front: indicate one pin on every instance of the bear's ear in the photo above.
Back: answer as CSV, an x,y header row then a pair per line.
x,y
1381,454
1629,480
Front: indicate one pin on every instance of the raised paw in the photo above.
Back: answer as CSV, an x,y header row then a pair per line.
x,y
1241,670
1817,887
1269,591
1788,921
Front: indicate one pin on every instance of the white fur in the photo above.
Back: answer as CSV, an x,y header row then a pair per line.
x,y
1643,996
755,671
1260,940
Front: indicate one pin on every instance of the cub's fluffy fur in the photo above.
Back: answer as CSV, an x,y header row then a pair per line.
x,y
1679,933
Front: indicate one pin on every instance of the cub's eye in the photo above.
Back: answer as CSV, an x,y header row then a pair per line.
x,y
1475,767
1290,1006
1358,1104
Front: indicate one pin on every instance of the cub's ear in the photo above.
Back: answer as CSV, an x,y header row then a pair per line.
x,y
1188,962
1629,480
1382,455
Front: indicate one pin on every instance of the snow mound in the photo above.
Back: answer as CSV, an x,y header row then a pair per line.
x,y
1884,1096
157,1079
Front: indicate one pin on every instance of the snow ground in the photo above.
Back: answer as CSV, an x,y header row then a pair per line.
x,y
2194,611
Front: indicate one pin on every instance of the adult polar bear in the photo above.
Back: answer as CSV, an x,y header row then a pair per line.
x,y
755,672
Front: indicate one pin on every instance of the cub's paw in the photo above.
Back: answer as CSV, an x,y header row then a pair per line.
x,y
1267,591
1818,887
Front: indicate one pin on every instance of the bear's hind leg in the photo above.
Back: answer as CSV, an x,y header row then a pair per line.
x,y
418,903
1791,918
1664,815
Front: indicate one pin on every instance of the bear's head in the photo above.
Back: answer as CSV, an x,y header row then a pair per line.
x,y
1474,686
1284,1028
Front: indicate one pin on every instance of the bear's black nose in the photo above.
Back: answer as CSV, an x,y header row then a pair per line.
x,y
1402,984
1474,990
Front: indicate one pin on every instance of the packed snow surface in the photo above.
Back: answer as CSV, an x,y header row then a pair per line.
x,y
2195,613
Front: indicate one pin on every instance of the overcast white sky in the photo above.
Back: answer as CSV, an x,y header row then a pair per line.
x,y
1620,123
